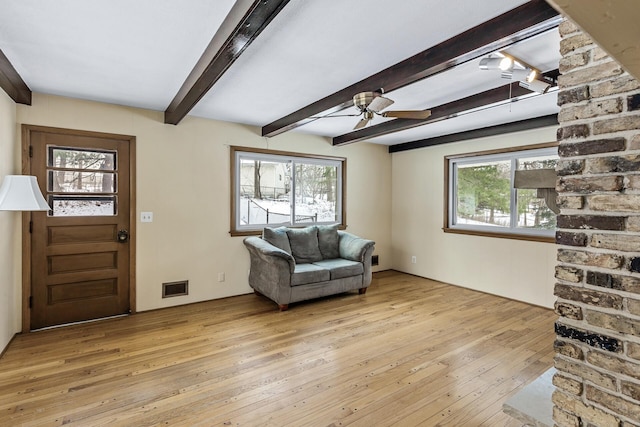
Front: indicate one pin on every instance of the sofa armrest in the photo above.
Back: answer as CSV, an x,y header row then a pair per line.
x,y
265,251
353,247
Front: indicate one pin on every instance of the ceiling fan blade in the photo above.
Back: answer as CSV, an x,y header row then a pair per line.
x,y
362,123
335,115
408,114
379,103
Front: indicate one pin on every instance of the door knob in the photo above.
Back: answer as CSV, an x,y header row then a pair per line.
x,y
123,236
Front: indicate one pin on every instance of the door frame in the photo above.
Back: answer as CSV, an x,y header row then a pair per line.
x,y
26,216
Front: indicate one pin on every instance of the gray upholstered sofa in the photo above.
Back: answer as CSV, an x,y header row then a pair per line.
x,y
296,264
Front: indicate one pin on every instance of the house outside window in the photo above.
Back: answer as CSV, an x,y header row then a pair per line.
x,y
272,188
508,193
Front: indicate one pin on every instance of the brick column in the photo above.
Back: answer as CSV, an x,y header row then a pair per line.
x,y
598,271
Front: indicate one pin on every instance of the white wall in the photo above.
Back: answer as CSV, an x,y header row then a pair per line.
x,y
515,269
10,222
183,178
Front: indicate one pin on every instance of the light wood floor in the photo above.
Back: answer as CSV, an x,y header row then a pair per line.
x,y
409,352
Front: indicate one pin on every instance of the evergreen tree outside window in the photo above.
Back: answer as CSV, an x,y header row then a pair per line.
x,y
482,199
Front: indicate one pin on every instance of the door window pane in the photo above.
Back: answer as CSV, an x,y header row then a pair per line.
x,y
82,206
81,182
60,157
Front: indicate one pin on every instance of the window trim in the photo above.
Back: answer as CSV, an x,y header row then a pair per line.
x,y
506,234
234,231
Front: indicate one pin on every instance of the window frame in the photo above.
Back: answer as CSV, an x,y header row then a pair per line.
x,y
547,236
283,156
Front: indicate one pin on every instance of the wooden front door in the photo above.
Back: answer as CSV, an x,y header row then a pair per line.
x,y
81,249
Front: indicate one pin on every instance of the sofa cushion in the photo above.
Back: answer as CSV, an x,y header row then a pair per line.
x,y
329,241
304,244
309,273
340,268
277,237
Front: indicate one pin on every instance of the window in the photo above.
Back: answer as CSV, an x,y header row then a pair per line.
x,y
503,194
280,188
81,182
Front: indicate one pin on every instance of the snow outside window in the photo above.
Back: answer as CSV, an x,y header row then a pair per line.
x,y
271,188
482,198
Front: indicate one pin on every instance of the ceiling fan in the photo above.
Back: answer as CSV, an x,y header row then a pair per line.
x,y
372,103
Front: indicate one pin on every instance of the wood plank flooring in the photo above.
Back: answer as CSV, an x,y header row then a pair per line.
x,y
409,352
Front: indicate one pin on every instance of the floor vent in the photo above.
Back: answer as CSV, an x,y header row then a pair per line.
x,y
175,289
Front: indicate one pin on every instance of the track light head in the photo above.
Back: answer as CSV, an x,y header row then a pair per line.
x,y
520,74
535,85
494,63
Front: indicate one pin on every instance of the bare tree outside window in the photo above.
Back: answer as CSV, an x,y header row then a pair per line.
x,y
288,190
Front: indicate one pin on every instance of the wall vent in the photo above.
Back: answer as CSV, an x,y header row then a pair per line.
x,y
175,289
374,259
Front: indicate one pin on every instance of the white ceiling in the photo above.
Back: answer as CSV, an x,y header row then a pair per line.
x,y
139,52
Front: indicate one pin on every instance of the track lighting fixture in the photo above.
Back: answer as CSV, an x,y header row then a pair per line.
x,y
515,70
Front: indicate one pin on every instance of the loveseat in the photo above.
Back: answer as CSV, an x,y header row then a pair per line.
x,y
297,264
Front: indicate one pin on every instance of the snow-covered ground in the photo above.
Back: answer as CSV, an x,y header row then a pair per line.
x,y
83,208
499,220
254,211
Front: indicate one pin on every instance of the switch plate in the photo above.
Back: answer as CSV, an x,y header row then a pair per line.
x,y
146,216
220,277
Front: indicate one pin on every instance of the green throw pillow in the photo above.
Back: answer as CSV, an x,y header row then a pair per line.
x,y
329,241
304,244
277,237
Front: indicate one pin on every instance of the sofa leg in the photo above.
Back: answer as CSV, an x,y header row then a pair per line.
x,y
362,291
283,307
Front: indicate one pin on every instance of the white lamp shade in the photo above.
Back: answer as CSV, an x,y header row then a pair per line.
x,y
21,193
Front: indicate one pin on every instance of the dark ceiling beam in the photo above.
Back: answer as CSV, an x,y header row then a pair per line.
x,y
518,126
518,24
443,112
12,83
242,26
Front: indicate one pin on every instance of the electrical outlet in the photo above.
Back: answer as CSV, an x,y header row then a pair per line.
x,y
413,259
146,216
220,277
